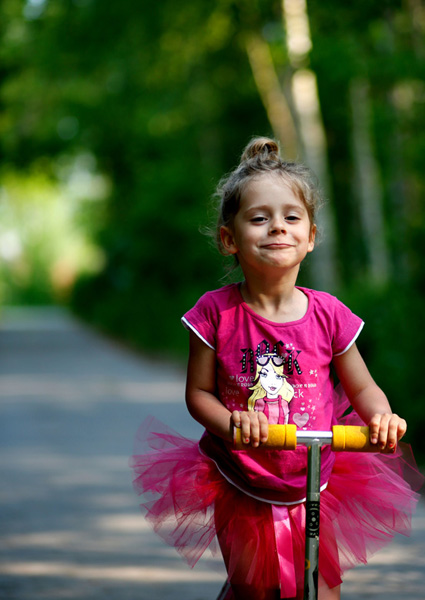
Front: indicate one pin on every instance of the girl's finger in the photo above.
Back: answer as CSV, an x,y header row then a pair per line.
x,y
383,431
374,427
392,438
402,428
264,427
396,430
245,427
236,418
255,430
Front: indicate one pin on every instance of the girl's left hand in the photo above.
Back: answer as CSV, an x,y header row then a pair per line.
x,y
386,430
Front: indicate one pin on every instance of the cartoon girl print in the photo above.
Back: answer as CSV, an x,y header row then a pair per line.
x,y
271,392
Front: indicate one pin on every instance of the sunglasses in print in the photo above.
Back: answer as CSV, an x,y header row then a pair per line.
x,y
264,359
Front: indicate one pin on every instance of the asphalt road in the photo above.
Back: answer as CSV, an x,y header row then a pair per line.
x,y
70,527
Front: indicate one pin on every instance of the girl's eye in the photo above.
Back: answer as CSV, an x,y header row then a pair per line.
x,y
258,219
292,218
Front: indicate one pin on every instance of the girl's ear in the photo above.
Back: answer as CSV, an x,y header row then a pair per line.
x,y
312,238
228,240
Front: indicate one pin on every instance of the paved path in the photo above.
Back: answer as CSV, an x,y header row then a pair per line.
x,y
70,528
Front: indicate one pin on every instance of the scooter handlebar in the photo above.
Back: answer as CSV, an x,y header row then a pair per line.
x,y
346,438
352,438
281,437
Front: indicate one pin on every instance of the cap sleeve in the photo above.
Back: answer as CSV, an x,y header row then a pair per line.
x,y
202,319
347,328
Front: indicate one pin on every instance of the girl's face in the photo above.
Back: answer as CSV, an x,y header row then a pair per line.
x,y
271,380
272,229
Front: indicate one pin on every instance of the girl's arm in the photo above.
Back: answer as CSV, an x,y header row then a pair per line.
x,y
206,408
368,400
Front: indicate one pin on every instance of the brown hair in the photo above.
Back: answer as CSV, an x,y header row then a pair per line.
x,y
261,156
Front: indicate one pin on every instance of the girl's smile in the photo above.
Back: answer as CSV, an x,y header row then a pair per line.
x,y
271,228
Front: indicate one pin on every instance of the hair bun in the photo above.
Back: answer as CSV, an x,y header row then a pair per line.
x,y
261,147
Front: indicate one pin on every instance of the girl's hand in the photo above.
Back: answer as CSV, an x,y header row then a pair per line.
x,y
386,430
254,426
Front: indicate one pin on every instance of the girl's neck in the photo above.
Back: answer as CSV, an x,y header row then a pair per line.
x,y
279,300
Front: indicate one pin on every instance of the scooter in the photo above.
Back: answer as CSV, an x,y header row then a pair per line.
x,y
351,438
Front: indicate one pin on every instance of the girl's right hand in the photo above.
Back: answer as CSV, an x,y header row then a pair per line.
x,y
254,426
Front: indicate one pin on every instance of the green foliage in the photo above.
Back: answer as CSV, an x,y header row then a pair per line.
x,y
162,108
162,97
43,242
380,43
391,344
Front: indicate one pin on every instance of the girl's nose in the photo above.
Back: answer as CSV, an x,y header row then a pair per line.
x,y
277,226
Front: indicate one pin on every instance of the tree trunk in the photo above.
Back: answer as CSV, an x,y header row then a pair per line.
x,y
311,132
273,99
367,183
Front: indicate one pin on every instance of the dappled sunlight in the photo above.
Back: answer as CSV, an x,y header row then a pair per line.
x,y
369,583
44,462
114,500
43,244
127,535
124,522
71,571
45,539
42,471
71,525
55,389
117,123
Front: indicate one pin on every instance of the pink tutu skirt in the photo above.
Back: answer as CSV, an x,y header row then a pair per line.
x,y
368,500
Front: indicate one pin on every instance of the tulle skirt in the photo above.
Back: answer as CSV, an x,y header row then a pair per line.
x,y
369,499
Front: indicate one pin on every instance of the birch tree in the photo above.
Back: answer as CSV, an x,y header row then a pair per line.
x,y
367,183
311,133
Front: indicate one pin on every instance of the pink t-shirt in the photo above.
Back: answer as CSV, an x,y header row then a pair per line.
x,y
282,369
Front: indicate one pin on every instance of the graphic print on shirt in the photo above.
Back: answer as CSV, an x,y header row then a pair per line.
x,y
275,380
271,392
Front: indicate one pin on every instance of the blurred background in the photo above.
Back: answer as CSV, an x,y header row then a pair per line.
x,y
118,118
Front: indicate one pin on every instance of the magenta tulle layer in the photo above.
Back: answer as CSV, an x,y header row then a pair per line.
x,y
369,499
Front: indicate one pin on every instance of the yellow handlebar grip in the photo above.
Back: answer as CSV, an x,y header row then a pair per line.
x,y
281,437
350,438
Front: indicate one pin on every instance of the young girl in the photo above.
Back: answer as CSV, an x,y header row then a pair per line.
x,y
266,328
